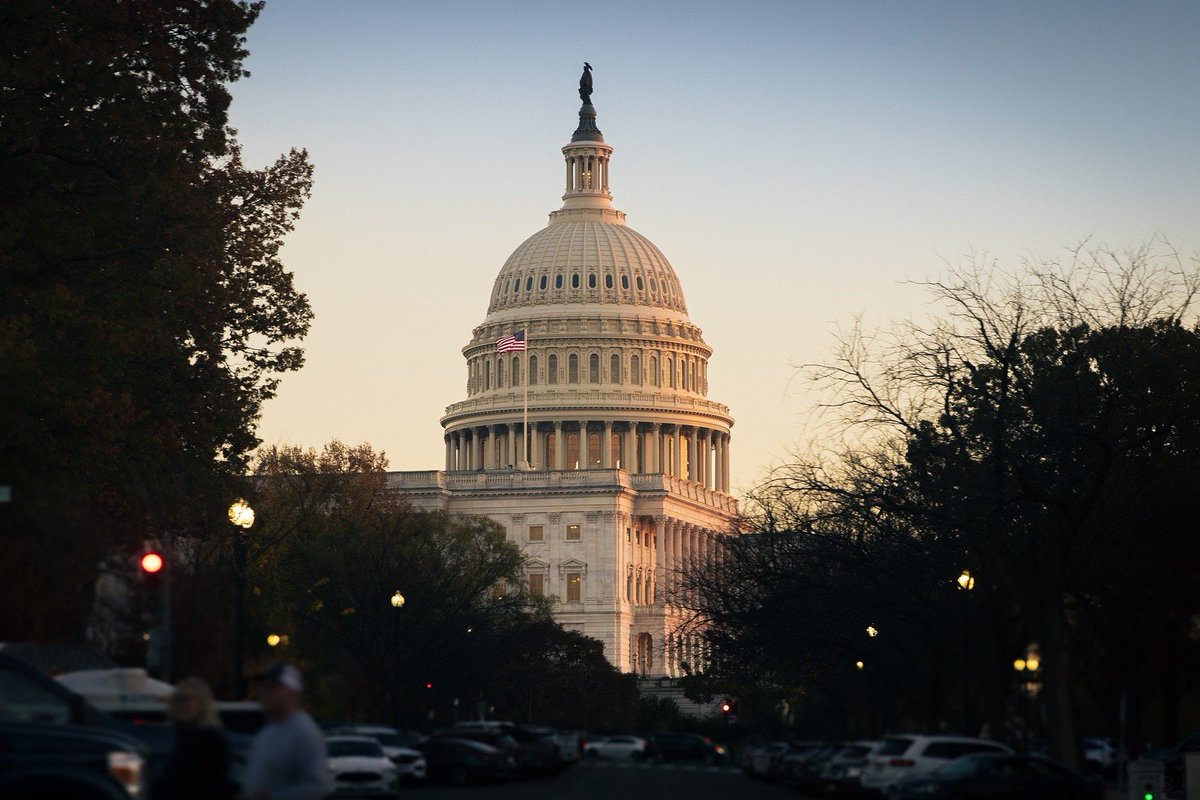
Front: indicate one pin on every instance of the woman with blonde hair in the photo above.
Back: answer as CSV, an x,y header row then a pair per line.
x,y
198,765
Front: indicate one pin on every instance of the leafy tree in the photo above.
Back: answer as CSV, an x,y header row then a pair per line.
x,y
145,315
1040,434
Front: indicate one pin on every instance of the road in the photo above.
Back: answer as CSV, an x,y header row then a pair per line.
x,y
622,781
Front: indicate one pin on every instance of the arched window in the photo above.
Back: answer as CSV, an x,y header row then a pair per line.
x,y
653,285
614,453
516,285
608,281
593,450
516,371
552,369
533,370
614,369
572,451
500,373
670,367
572,368
593,368
529,284
551,452
640,285
591,280
542,282
624,281
558,281
654,379
635,371
487,375
575,281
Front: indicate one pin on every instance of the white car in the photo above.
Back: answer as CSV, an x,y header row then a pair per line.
x,y
898,757
409,762
623,747
360,768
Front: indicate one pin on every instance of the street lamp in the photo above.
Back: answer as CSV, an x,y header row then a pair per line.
x,y
397,603
966,580
1027,682
872,631
242,516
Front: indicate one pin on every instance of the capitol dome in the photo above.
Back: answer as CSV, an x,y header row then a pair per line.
x,y
611,371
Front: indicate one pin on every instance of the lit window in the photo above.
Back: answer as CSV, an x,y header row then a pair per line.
x,y
537,533
537,585
500,590
574,587
573,533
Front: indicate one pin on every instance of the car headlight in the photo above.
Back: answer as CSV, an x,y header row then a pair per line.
x,y
853,772
126,768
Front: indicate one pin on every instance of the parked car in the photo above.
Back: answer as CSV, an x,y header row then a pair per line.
x,y
463,761
901,756
1173,758
842,774
408,761
996,776
359,767
618,747
763,757
52,744
801,767
686,747
536,749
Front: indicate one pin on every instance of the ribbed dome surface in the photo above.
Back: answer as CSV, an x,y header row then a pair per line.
x,y
587,261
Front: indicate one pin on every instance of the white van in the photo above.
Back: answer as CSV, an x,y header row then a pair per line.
x,y
898,757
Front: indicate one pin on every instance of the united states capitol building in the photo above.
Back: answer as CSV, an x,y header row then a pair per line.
x,y
597,447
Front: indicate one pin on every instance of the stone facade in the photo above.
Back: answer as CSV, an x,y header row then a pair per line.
x,y
596,447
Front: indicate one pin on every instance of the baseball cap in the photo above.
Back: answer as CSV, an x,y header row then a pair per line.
x,y
284,674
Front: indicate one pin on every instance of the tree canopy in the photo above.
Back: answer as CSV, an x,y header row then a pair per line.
x,y
145,313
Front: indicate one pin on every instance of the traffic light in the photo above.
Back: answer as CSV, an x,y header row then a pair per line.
x,y
152,565
726,707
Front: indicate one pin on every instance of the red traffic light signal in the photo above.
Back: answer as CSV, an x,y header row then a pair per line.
x,y
152,562
726,706
428,685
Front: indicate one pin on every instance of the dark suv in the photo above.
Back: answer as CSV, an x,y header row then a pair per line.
x,y
52,744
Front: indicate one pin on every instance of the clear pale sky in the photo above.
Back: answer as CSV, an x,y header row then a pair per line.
x,y
796,162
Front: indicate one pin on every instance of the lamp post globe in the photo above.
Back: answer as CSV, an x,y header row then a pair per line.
x,y
241,514
966,580
397,600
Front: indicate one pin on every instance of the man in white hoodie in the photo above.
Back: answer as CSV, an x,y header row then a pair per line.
x,y
288,760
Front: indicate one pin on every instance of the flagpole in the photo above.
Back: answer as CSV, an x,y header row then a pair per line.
x,y
525,425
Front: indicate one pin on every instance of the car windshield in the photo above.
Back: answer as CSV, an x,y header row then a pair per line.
x,y
345,747
390,739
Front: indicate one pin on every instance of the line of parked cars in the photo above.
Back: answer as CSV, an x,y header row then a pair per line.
x,y
661,747
377,761
916,766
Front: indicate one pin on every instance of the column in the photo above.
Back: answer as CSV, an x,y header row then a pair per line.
x,y
718,470
489,447
535,445
629,459
569,174
514,457
477,460
560,446
677,450
583,461
670,567
725,463
606,445
651,454
706,457
693,467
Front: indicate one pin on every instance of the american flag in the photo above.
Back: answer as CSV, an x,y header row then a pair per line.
x,y
513,343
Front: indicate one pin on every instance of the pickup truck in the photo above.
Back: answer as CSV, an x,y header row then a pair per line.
x,y
53,745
